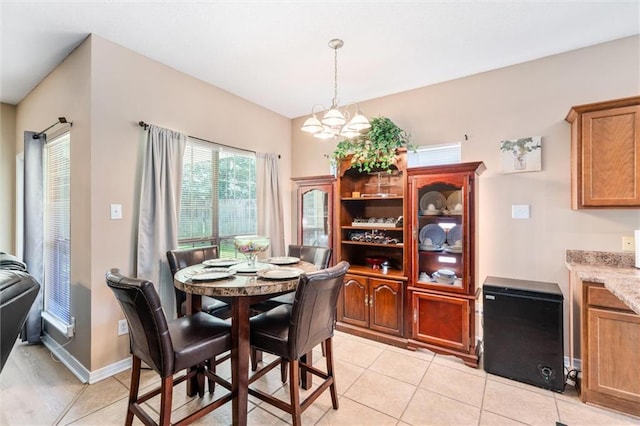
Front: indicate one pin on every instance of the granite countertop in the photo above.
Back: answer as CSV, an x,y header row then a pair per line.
x,y
614,270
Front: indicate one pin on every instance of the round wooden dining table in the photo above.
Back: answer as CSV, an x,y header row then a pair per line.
x,y
242,290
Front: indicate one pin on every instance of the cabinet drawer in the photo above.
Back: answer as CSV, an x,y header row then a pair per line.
x,y
600,296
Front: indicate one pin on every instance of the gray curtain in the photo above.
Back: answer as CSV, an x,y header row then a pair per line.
x,y
159,210
269,200
33,254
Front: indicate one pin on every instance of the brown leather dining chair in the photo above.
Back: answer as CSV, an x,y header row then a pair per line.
x,y
167,347
181,258
291,331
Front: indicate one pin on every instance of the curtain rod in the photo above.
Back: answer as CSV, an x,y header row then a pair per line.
x,y
61,120
145,126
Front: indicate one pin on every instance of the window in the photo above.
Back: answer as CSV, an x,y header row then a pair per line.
x,y
431,155
57,230
218,199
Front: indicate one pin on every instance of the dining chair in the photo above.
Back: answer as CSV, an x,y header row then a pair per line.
x,y
319,256
181,258
167,347
291,331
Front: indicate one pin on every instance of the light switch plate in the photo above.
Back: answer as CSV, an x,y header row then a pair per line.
x,y
116,211
520,211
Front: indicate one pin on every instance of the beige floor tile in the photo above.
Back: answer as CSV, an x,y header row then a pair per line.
x,y
113,414
429,408
423,354
456,384
311,415
490,419
520,385
29,368
458,364
519,404
585,414
261,417
97,395
400,366
148,377
345,374
351,413
357,352
381,393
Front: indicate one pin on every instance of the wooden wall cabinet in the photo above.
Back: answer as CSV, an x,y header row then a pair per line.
x,y
370,224
610,364
315,196
605,154
442,217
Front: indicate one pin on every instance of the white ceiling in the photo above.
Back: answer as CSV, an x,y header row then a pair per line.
x,y
276,54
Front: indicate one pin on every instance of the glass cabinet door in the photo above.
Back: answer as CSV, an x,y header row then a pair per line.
x,y
314,223
441,243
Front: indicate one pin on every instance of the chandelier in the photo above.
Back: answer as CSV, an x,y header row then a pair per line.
x,y
336,120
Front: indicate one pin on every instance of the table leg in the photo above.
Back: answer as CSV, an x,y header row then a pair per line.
x,y
240,359
194,304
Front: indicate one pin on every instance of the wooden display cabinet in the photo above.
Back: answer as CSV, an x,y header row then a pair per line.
x,y
605,154
443,252
370,229
315,197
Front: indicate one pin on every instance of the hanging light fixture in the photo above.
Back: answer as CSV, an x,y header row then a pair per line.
x,y
336,120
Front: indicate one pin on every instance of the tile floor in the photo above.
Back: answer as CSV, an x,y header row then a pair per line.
x,y
377,384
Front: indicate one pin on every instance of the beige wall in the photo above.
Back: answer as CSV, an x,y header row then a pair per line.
x,y
7,177
105,90
529,99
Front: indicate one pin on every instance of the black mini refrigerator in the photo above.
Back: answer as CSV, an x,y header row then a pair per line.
x,y
523,332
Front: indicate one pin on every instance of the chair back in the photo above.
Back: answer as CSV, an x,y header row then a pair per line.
x,y
313,315
181,258
148,329
319,256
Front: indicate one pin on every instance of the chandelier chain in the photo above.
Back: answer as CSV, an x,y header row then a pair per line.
x,y
334,102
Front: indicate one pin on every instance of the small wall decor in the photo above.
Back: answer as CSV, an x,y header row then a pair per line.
x,y
521,155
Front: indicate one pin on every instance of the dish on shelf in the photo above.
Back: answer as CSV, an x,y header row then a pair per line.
x,y
213,274
443,279
432,200
430,212
283,260
454,236
429,247
455,249
375,261
434,232
279,273
454,201
220,263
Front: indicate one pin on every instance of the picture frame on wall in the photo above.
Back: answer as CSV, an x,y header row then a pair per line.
x,y
521,155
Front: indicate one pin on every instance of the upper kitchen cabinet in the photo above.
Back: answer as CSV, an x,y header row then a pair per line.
x,y
605,154
315,210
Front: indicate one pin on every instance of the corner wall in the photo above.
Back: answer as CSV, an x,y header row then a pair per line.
x,y
7,177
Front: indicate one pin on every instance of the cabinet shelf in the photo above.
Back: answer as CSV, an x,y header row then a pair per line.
x,y
364,197
372,227
358,243
377,273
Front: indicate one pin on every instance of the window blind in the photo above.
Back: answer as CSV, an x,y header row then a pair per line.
x,y
432,155
218,199
57,240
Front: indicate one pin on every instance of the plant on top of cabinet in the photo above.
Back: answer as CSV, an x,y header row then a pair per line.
x,y
375,150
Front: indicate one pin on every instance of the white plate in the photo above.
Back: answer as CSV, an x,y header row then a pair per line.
x,y
428,247
283,260
245,268
433,232
432,197
456,249
430,212
454,234
453,200
280,273
221,263
214,274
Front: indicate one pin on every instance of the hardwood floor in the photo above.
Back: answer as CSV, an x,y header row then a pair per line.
x,y
377,384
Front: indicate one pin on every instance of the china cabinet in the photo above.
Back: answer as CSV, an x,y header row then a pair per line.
x,y
371,235
315,210
442,204
610,332
605,154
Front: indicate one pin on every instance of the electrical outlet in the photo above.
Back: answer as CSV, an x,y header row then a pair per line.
x,y
628,244
123,327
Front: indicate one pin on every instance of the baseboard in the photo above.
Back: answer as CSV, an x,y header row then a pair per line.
x,y
577,363
78,370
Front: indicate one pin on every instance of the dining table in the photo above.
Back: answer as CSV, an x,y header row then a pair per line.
x,y
241,289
